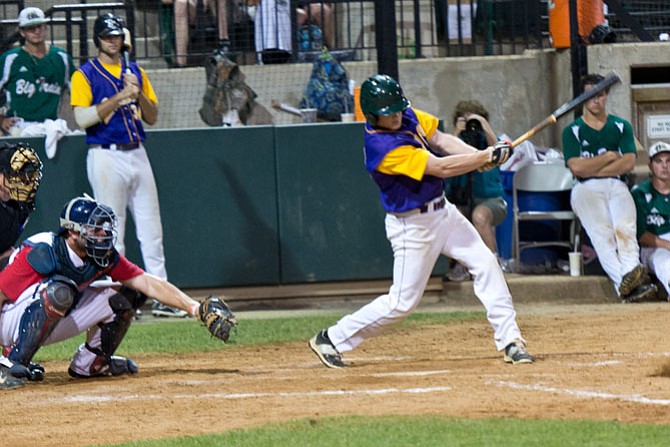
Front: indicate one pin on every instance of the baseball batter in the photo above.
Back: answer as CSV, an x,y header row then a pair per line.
x,y
53,295
110,101
652,201
33,76
599,148
408,158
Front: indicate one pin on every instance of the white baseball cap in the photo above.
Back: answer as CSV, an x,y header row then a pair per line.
x,y
657,148
31,16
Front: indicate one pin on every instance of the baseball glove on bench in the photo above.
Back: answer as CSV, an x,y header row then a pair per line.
x,y
217,317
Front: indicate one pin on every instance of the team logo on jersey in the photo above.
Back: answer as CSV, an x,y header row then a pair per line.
x,y
23,69
655,220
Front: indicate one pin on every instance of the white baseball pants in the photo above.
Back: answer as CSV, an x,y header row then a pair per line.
x,y
417,241
607,212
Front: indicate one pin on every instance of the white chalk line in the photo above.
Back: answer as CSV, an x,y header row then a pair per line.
x,y
411,373
108,398
636,398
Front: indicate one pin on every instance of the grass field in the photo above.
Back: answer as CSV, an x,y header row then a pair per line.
x,y
186,337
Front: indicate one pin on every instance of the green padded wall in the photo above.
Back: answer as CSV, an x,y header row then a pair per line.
x,y
246,206
330,218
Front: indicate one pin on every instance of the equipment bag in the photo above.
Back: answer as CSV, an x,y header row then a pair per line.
x,y
328,89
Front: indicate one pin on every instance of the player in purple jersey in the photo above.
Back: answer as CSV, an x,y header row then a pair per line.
x,y
408,158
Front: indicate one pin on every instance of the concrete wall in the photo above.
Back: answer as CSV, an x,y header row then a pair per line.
x,y
519,91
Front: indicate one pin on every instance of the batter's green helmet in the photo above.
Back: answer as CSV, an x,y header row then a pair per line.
x,y
381,95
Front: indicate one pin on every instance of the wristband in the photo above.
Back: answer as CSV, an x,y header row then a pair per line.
x,y
194,308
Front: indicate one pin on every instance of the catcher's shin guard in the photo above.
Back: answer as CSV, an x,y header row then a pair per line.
x,y
56,298
123,304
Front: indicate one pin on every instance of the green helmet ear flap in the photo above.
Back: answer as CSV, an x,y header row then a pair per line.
x,y
381,95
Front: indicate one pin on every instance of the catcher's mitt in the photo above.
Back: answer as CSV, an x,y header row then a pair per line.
x,y
218,318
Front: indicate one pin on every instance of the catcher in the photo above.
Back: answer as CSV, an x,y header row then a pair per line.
x,y
56,287
408,158
20,175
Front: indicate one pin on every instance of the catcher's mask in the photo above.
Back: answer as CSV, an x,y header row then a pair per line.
x,y
95,223
22,172
381,95
107,25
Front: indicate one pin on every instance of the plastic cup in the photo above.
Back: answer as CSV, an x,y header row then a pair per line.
x,y
576,263
348,117
308,115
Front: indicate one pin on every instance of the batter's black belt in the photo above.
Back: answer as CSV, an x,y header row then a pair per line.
x,y
434,205
118,147
582,180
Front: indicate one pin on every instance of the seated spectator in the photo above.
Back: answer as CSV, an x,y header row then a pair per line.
x,y
653,214
35,75
321,15
185,15
272,22
478,195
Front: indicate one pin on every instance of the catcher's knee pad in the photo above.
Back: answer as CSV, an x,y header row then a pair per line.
x,y
56,298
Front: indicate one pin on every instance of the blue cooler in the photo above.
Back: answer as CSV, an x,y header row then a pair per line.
x,y
537,230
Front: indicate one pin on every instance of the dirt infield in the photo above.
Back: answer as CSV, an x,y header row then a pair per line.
x,y
601,362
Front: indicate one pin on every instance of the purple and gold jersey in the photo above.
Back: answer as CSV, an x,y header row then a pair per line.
x,y
397,160
92,84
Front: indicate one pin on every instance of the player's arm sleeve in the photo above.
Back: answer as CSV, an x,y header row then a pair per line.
x,y
405,160
80,94
125,270
147,88
641,211
627,145
570,144
428,122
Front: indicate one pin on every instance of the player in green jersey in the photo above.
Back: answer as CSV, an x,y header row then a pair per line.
x,y
652,201
33,76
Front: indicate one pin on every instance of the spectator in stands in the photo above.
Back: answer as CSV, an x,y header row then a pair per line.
x,y
272,22
34,77
321,15
478,195
185,14
653,214
599,149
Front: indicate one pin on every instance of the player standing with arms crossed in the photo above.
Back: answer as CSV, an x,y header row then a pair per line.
x,y
110,101
409,158
599,149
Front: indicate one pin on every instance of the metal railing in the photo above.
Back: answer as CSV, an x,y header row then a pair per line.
x,y
423,28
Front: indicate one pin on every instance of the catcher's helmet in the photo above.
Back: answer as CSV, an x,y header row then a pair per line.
x,y
22,172
381,95
107,25
95,222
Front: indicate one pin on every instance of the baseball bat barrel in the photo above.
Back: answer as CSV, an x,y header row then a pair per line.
x,y
569,106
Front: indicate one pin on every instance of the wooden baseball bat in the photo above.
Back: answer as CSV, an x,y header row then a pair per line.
x,y
568,106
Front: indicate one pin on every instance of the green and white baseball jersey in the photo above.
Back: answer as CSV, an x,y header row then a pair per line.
x,y
33,86
653,209
580,140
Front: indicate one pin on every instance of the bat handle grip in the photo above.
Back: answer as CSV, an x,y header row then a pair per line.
x,y
126,58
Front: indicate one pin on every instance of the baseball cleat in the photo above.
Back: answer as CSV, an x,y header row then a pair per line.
x,y
324,349
161,310
644,292
632,280
8,381
516,352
